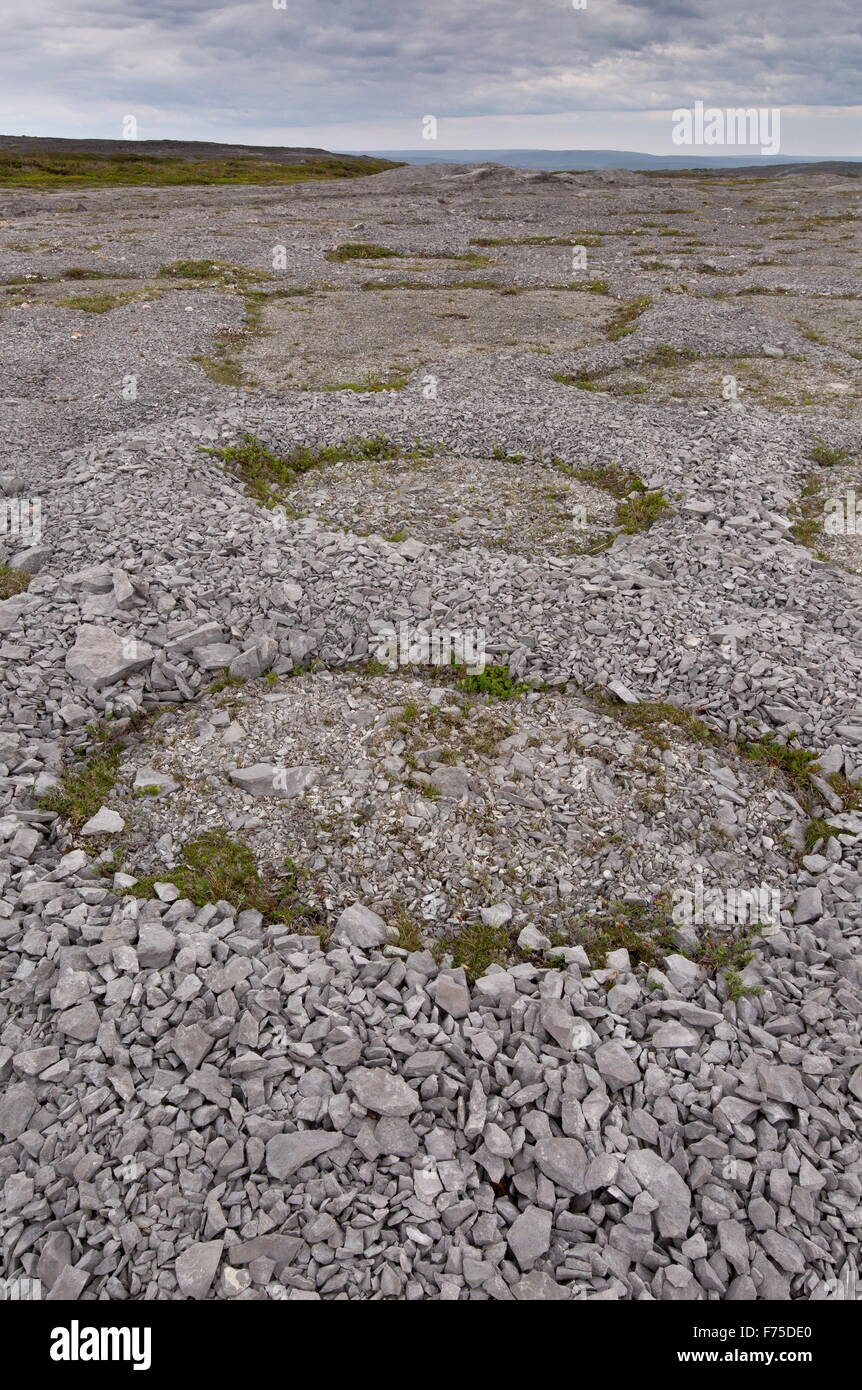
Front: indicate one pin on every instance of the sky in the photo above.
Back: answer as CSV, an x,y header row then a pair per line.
x,y
494,74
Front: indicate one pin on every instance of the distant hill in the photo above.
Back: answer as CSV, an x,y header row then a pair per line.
x,y
620,159
28,161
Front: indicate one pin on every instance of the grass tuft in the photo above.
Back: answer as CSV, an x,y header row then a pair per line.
x,y
214,868
12,581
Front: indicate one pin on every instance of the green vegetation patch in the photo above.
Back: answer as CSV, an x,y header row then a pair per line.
x,y
12,581
268,475
360,251
214,868
624,320
476,946
640,512
94,303
84,787
495,682
209,270
584,240
131,167
821,453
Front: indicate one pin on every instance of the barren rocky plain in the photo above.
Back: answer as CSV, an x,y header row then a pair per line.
x,y
329,972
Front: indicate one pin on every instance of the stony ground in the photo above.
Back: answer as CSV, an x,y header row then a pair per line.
x,y
330,969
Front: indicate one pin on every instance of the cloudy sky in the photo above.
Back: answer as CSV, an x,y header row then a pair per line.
x,y
362,74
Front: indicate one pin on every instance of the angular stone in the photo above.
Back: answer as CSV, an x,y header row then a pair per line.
x,y
564,1161
531,939
784,1083
191,1044
615,1065
286,1153
382,1091
196,1267
530,1236
496,916
809,906
81,1022
101,657
674,1034
155,946
364,928
215,657
451,995
602,1171
104,822
537,1287
266,779
663,1183
149,779
17,1106
395,1135
558,1021
254,661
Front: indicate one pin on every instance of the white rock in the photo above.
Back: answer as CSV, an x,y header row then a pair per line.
x,y
104,822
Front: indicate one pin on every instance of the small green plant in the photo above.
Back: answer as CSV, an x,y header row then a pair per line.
x,y
727,954
796,762
816,830
665,355
409,933
826,457
807,513
80,272
495,682
584,239
225,681
651,719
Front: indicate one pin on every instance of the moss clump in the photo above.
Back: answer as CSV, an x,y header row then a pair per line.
x,y
584,240
796,762
817,830
33,168
80,272
807,514
619,482
409,933
359,251
214,868
220,271
94,303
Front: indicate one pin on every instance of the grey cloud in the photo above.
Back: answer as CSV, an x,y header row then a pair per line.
x,y
196,63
